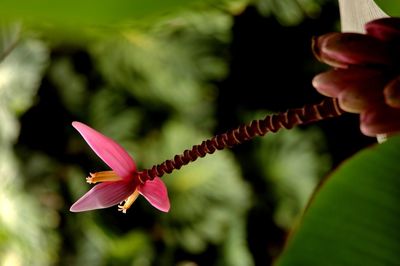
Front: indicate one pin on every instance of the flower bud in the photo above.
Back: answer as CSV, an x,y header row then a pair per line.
x,y
385,29
334,81
344,49
380,119
359,96
392,93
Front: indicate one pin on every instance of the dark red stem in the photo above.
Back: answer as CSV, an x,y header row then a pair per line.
x,y
271,123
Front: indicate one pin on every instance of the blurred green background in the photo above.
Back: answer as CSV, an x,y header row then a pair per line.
x,y
159,78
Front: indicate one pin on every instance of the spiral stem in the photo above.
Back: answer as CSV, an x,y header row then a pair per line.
x,y
271,123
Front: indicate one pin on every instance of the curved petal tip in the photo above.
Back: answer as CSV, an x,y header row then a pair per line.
x,y
108,150
156,193
103,195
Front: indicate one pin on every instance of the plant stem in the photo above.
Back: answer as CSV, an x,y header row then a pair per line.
x,y
271,123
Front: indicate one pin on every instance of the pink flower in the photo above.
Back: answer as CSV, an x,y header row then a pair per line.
x,y
122,184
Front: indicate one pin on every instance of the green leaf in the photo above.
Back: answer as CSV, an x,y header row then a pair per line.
x,y
354,217
9,36
392,8
88,12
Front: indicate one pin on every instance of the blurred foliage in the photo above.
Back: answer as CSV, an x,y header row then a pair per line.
x,y
27,235
293,162
289,12
209,197
153,88
152,66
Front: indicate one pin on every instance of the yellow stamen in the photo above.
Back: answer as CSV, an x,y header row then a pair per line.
x,y
102,177
128,202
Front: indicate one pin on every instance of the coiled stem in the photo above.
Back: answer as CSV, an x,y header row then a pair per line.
x,y
271,123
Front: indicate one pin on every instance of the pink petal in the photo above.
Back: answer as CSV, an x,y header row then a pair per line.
x,y
156,193
103,195
108,150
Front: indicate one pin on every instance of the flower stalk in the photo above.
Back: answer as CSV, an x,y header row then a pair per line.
x,y
271,123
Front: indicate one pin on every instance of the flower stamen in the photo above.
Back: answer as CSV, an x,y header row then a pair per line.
x,y
104,176
128,202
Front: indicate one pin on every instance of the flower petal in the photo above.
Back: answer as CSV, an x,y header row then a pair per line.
x,y
156,193
103,195
108,150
